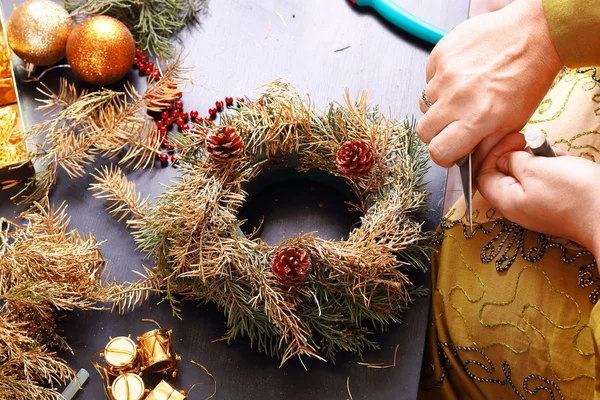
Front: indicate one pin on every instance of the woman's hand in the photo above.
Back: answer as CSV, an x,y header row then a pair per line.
x,y
485,80
558,196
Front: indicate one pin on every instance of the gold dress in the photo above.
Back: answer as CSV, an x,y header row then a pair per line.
x,y
513,311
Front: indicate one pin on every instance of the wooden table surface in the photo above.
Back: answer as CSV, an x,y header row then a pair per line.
x,y
241,45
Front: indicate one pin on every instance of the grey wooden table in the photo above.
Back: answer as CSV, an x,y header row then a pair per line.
x,y
241,45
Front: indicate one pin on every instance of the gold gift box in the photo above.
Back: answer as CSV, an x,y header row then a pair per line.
x,y
164,391
15,166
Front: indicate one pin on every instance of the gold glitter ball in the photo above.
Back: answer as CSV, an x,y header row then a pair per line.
x,y
100,50
38,31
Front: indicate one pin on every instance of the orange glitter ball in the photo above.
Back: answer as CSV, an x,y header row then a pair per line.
x,y
100,50
37,31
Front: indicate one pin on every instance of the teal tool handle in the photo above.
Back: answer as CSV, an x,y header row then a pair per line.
x,y
404,20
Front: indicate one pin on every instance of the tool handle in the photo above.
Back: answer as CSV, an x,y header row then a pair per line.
x,y
405,20
538,143
76,384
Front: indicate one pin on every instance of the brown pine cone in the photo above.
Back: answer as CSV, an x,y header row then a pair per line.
x,y
355,158
224,144
291,266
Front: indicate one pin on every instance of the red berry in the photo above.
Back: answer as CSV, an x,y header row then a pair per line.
x,y
173,158
165,115
184,115
141,66
150,65
169,121
219,105
148,71
229,101
168,107
241,99
136,60
144,59
180,122
198,120
179,104
163,130
160,124
194,114
139,52
185,127
156,74
170,147
164,158
175,114
212,111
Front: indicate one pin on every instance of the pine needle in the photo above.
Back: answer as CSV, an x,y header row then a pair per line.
x,y
348,388
381,365
209,374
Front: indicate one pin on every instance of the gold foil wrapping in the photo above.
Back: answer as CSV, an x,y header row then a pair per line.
x,y
8,95
14,164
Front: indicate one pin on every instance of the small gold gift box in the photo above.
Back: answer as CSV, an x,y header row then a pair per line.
x,y
15,166
164,391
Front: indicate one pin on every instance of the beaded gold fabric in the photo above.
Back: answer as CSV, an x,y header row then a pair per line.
x,y
510,313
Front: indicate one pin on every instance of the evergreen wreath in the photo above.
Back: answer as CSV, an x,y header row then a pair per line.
x,y
306,296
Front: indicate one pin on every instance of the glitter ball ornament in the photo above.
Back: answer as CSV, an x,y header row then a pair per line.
x,y
38,30
291,266
224,144
355,158
100,50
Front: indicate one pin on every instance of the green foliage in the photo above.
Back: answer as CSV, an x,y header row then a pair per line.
x,y
153,22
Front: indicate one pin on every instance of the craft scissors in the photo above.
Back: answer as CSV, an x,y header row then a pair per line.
x,y
466,180
404,20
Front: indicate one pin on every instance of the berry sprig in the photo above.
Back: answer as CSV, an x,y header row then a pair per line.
x,y
173,114
146,67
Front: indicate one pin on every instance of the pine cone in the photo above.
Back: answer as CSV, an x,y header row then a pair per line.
x,y
224,144
291,266
355,158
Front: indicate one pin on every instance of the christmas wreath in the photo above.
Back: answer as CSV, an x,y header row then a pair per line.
x,y
306,296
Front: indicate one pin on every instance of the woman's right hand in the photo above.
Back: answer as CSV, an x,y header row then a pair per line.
x,y
554,195
485,80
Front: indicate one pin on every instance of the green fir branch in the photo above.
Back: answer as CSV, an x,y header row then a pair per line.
x,y
154,23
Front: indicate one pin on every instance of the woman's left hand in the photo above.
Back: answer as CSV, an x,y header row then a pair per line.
x,y
553,195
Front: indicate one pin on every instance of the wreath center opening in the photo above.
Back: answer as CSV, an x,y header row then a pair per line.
x,y
283,202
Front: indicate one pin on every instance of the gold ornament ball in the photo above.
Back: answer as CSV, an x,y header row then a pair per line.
x,y
100,50
38,31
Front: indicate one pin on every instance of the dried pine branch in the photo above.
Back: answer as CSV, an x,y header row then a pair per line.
x,y
192,232
153,22
104,123
120,194
45,268
67,95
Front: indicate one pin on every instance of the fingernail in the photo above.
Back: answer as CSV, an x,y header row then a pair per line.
x,y
502,164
